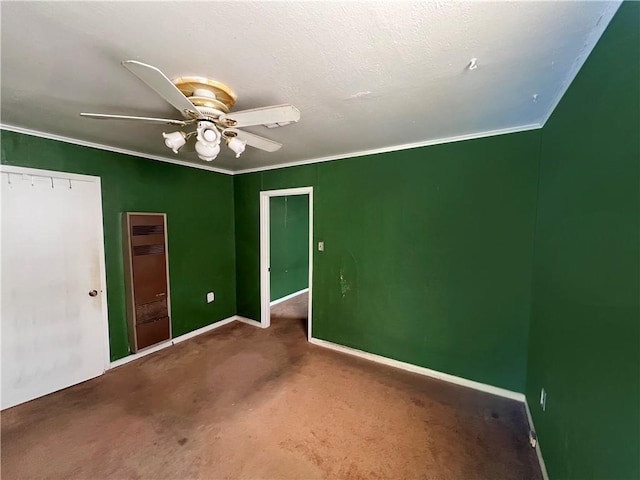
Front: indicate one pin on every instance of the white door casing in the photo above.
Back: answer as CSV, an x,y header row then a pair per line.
x,y
53,333
265,253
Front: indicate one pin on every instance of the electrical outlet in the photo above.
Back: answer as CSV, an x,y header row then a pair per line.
x,y
210,297
543,399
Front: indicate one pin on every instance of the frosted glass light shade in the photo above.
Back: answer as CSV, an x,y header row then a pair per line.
x,y
237,146
207,151
174,140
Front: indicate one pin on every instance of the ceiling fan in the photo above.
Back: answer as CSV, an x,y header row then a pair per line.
x,y
206,104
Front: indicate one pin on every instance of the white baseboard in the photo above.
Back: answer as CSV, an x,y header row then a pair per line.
x,y
350,351
288,297
204,329
501,392
254,323
483,387
171,342
543,467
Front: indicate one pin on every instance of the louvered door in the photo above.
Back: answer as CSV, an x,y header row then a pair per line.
x,y
147,274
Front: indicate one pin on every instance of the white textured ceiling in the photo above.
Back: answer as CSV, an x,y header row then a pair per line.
x,y
365,76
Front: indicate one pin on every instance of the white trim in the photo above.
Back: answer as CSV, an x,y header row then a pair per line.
x,y
103,279
99,146
592,41
483,387
169,343
285,192
265,274
289,297
253,323
361,153
205,329
310,282
140,354
543,467
395,148
37,172
265,270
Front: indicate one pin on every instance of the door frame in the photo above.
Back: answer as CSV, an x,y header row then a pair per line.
x,y
265,252
36,172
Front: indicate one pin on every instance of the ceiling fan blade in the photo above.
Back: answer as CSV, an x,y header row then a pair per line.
x,y
277,116
164,121
164,87
254,140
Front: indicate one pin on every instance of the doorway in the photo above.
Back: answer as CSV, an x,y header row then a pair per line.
x,y
287,280
54,305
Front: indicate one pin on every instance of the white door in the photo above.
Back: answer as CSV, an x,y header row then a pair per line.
x,y
53,332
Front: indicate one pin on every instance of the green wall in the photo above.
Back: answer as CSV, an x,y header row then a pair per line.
x,y
427,253
585,325
289,252
199,207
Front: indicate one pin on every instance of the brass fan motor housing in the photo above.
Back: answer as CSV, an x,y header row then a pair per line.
x,y
225,97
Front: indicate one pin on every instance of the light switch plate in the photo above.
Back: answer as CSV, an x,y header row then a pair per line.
x,y
210,297
321,246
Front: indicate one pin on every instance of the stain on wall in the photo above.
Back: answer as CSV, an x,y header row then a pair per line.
x,y
427,254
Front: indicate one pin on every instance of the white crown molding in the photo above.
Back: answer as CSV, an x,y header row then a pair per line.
x,y
464,382
394,148
590,44
108,148
361,153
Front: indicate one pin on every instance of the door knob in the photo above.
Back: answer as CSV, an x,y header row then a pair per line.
x,y
93,293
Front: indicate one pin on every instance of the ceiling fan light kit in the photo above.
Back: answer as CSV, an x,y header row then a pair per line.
x,y
236,145
207,104
208,141
207,152
175,140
